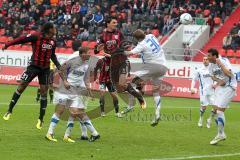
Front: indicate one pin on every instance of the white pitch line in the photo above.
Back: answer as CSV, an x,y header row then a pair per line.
x,y
199,156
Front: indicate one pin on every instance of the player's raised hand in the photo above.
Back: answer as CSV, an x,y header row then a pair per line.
x,y
193,90
100,47
4,47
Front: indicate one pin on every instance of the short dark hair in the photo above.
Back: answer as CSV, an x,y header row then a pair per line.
x,y
76,44
83,50
213,52
109,19
47,26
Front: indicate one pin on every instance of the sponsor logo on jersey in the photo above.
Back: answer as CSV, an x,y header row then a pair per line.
x,y
46,46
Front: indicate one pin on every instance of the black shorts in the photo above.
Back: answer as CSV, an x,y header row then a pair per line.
x,y
32,71
119,65
109,86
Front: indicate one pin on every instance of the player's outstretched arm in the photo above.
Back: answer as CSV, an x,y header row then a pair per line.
x,y
21,40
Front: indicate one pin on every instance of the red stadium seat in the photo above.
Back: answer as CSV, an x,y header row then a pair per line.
x,y
69,51
223,52
57,50
3,39
237,61
237,54
61,50
230,53
17,47
26,48
85,43
92,44
233,60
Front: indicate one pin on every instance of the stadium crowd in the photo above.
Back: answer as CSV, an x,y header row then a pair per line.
x,y
232,39
84,19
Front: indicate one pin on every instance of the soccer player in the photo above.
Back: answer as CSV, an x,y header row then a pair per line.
x,y
154,65
110,41
225,89
77,69
43,46
105,82
205,89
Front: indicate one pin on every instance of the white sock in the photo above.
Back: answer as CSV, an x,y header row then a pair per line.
x,y
52,126
220,122
89,126
83,128
131,101
212,114
70,125
201,113
157,100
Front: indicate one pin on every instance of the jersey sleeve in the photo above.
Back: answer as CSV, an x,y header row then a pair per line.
x,y
137,50
22,40
226,63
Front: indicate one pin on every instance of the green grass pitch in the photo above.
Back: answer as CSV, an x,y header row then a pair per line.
x,y
130,138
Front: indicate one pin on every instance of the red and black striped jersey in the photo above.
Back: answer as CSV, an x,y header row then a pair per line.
x,y
111,40
104,66
43,49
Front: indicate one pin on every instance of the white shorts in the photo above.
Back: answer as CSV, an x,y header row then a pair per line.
x,y
152,72
206,100
223,96
69,100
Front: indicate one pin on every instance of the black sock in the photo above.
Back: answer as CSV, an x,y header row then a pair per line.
x,y
135,93
43,106
38,94
102,103
51,94
14,100
116,106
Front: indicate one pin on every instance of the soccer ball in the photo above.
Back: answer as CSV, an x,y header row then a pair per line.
x,y
186,18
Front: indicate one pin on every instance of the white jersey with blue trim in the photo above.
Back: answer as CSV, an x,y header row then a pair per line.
x,y
150,50
76,76
76,72
216,70
205,81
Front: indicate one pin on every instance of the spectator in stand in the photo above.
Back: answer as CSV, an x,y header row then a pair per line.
x,y
227,41
67,17
83,9
2,21
8,28
235,42
98,17
75,31
76,8
163,14
222,11
211,23
83,35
